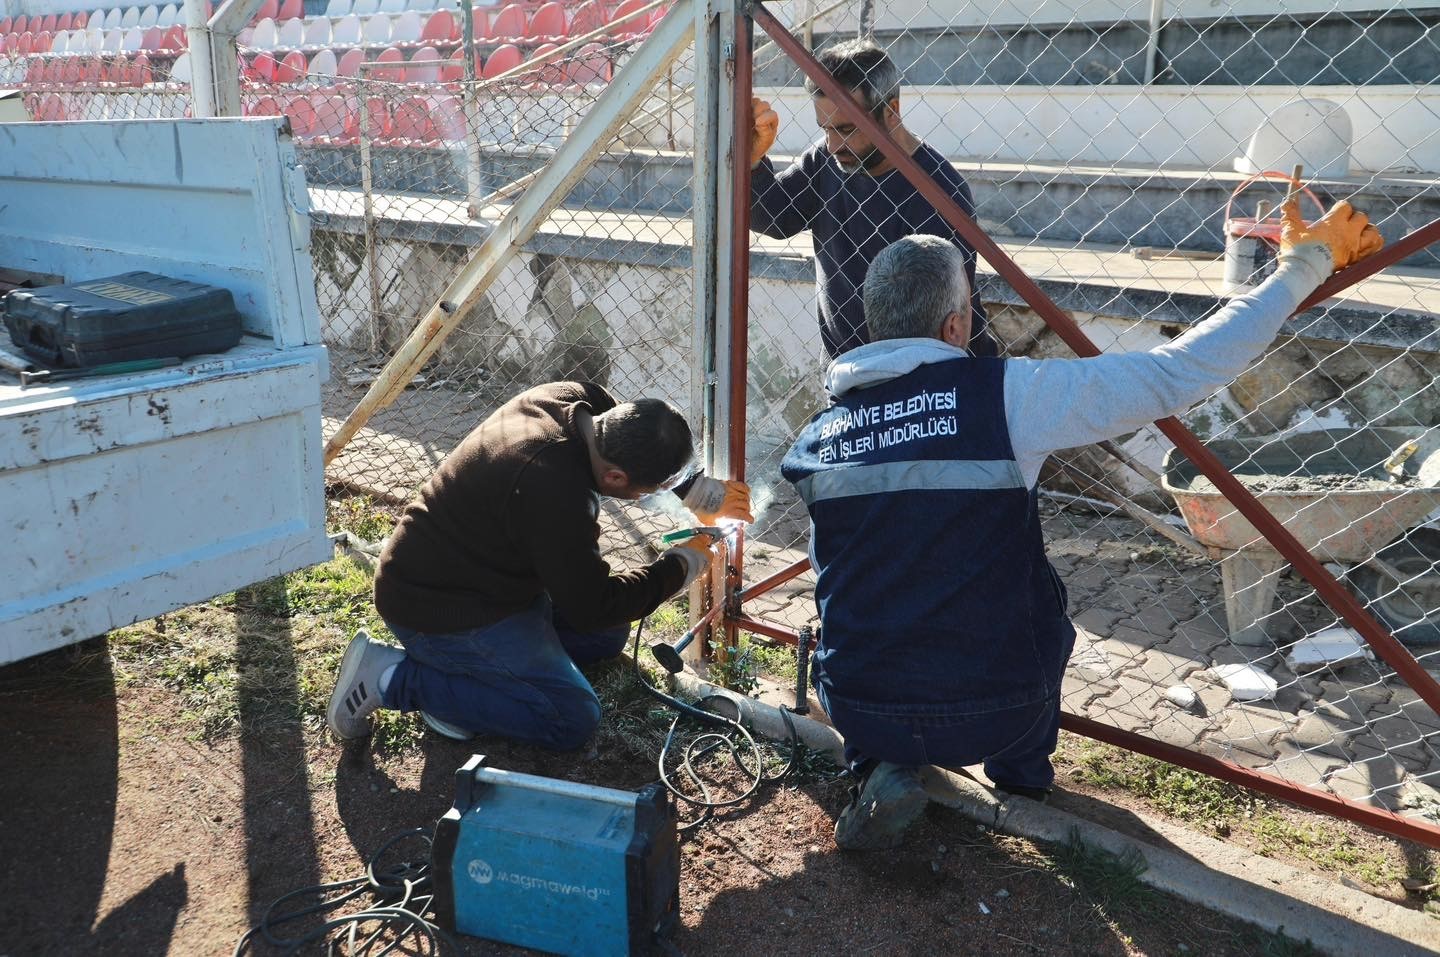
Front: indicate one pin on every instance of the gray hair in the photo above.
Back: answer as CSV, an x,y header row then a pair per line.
x,y
912,286
862,67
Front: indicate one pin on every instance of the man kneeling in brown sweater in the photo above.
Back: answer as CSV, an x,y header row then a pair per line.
x,y
493,580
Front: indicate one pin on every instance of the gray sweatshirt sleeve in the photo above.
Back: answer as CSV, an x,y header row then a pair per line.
x,y
1063,403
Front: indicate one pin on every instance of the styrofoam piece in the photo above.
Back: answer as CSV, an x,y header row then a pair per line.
x,y
1182,696
1328,647
1314,133
1247,682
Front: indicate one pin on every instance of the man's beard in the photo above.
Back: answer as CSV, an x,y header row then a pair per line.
x,y
867,162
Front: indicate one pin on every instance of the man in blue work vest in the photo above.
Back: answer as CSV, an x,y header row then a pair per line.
x,y
944,633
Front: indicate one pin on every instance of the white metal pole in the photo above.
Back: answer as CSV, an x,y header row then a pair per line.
x,y
1152,43
724,92
202,71
591,137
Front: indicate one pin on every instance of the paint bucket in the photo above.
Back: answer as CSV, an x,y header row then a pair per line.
x,y
1252,242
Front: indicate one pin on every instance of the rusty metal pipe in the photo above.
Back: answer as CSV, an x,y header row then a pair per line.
x,y
764,585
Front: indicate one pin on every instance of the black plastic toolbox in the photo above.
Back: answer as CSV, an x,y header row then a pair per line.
x,y
136,315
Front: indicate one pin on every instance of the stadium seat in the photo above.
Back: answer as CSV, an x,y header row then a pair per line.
x,y
378,116
547,23
266,36
505,58
366,8
263,66
51,109
19,25
336,9
291,67
290,35
346,31
350,62
20,44
47,24
180,69
591,65
552,73
114,41
317,33
587,18
453,69
392,6
268,10
41,42
129,17
508,24
115,71
60,43
291,10
323,65
148,17
265,106
169,16
389,74
72,70
5,25
133,40
141,72
424,66
151,39
441,27
175,38
406,27
35,73
330,115
301,113
112,19
377,30
410,123
636,27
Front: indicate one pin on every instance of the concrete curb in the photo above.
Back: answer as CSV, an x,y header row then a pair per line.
x,y
1270,894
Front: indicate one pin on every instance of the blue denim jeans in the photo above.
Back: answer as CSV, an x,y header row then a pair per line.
x,y
516,678
1015,744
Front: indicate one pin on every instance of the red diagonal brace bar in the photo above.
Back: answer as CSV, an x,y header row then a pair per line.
x,y
776,580
1409,828
1385,645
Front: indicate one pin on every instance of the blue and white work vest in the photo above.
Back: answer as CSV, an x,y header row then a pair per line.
x,y
933,585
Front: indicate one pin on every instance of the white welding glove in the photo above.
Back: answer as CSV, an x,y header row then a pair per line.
x,y
694,554
710,500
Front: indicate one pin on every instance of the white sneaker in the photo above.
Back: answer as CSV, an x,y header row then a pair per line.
x,y
357,688
452,731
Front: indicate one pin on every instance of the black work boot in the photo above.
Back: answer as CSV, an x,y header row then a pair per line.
x,y
889,800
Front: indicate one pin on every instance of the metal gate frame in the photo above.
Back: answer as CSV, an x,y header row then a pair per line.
x,y
1391,651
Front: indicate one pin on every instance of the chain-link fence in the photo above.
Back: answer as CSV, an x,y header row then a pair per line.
x,y
1111,152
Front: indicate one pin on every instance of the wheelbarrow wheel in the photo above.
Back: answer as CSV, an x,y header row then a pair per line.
x,y
1411,608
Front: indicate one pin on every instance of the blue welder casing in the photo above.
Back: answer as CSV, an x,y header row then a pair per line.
x,y
556,866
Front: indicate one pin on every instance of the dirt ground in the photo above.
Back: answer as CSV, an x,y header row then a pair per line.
x,y
123,832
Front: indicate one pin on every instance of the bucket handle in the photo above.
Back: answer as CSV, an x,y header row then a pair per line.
x,y
1270,174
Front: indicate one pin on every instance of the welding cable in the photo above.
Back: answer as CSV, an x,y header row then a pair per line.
x,y
734,737
403,894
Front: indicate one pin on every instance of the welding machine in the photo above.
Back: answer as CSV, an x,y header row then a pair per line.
x,y
557,866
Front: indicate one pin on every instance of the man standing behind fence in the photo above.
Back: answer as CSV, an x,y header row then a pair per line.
x,y
493,579
944,633
850,197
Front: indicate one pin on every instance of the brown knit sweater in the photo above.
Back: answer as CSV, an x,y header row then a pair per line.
x,y
512,512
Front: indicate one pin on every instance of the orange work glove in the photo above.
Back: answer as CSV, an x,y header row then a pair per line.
x,y
694,554
710,500
764,124
1344,232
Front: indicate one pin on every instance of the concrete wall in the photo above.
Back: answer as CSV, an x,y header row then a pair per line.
x,y
620,313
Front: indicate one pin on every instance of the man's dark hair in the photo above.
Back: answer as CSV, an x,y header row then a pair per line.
x,y
648,438
862,67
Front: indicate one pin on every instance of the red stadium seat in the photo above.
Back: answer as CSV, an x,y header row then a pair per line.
x,y
547,23
141,73
504,59
35,73
590,65
441,27
265,106
635,27
268,10
291,67
379,118
20,25
51,109
410,122
174,38
587,18
153,38
115,71
41,42
264,65
302,116
72,70
509,23
552,73
47,23
350,62
389,74
63,22
424,66
5,24
330,115
454,67
290,9
23,43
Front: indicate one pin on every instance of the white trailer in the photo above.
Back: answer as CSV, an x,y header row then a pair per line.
x,y
127,496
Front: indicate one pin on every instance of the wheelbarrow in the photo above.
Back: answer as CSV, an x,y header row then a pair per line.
x,y
1332,490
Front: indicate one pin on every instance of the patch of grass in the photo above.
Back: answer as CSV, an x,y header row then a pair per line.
x,y
1178,792
361,516
772,660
